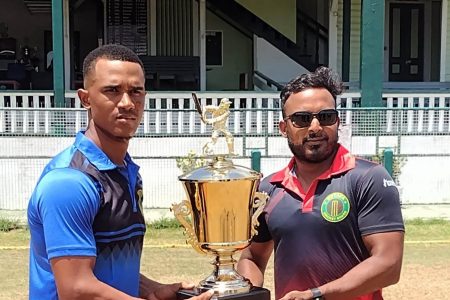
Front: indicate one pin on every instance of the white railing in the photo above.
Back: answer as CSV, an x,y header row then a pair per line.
x,y
434,118
252,113
25,100
166,112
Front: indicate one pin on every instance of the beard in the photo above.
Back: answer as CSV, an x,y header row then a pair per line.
x,y
313,153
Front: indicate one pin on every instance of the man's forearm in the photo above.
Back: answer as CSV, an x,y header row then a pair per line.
x,y
92,289
368,276
381,269
147,286
251,271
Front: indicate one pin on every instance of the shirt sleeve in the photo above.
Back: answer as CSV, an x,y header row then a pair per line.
x,y
67,202
378,203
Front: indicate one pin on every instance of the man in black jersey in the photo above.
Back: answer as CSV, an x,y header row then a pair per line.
x,y
335,225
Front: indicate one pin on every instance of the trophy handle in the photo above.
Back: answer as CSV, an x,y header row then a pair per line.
x,y
258,203
182,211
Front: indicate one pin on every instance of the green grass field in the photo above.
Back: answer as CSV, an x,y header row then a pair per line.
x,y
167,258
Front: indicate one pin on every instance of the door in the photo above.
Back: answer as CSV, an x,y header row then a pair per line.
x,y
406,42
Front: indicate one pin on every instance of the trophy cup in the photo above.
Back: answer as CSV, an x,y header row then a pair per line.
x,y
221,214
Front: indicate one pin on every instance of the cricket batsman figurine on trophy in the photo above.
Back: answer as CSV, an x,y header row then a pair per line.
x,y
220,216
218,120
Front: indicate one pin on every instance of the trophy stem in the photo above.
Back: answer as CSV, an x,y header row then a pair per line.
x,y
225,280
224,266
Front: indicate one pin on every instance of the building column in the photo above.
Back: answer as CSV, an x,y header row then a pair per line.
x,y
202,41
332,35
58,52
444,16
372,55
153,24
346,33
68,45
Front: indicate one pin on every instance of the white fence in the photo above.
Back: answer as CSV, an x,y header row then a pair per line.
x,y
174,112
435,118
166,113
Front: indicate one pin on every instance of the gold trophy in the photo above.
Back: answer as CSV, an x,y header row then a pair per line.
x,y
220,216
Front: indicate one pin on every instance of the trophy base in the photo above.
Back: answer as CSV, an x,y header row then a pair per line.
x,y
256,293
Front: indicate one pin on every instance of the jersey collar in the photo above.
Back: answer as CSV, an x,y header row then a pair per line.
x,y
95,155
342,162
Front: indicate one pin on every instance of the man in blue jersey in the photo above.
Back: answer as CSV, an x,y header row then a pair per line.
x,y
335,225
85,214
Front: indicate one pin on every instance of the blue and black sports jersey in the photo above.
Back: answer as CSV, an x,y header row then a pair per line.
x,y
85,205
318,233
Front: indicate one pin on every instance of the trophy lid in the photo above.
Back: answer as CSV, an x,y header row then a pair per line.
x,y
220,169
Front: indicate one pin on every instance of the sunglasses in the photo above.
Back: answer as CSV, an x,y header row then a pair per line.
x,y
302,119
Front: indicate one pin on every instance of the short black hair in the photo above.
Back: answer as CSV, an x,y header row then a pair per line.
x,y
322,77
110,52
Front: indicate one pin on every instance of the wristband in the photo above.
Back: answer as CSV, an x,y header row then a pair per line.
x,y
317,294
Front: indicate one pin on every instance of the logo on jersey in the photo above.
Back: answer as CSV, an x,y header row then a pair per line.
x,y
335,207
388,182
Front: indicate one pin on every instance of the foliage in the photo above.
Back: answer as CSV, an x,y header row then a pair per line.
x,y
397,164
165,223
8,225
190,162
428,222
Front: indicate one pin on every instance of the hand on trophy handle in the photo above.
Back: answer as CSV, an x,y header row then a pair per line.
x,y
182,211
259,203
